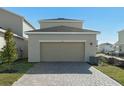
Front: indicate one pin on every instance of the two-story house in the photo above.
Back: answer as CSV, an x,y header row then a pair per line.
x,y
61,40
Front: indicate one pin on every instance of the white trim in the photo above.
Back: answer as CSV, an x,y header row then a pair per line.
x,y
2,30
62,32
15,35
62,40
24,20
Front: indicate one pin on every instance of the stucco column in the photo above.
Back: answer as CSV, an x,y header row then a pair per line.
x,y
90,50
34,51
86,52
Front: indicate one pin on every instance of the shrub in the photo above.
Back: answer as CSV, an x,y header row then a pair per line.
x,y
9,52
111,61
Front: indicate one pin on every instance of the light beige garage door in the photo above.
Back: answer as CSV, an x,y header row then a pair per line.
x,y
62,52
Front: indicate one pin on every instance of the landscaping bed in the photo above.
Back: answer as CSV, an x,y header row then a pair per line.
x,y
112,60
19,68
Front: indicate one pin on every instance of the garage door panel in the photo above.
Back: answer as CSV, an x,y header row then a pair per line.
x,y
62,51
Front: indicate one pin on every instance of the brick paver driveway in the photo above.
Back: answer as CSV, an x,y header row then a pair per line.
x,y
64,74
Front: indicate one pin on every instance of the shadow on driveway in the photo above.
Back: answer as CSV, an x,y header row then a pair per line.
x,y
60,68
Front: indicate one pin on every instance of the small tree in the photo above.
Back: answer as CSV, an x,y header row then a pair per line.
x,y
9,52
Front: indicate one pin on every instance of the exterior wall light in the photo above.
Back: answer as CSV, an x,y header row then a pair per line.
x,y
91,43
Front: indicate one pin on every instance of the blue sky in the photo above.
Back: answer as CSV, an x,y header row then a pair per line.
x,y
106,20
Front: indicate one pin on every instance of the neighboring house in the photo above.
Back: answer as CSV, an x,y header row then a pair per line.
x,y
15,22
21,44
61,40
105,47
116,48
18,26
120,44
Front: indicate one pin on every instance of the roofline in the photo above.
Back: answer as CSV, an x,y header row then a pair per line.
x,y
18,16
105,44
29,23
15,35
45,20
61,33
88,30
2,30
121,30
11,12
59,18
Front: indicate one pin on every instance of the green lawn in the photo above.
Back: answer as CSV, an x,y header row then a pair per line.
x,y
7,79
114,72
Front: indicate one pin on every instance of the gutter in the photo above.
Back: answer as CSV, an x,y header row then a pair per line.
x,y
61,33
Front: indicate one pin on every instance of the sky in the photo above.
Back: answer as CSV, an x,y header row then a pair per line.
x,y
106,20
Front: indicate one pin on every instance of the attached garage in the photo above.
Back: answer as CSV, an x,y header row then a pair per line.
x,y
62,51
61,44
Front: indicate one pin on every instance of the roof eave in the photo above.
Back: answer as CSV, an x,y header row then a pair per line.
x,y
48,20
61,33
11,12
29,23
15,35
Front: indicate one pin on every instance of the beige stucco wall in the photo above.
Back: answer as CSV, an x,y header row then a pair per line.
x,y
22,44
45,24
7,20
34,44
